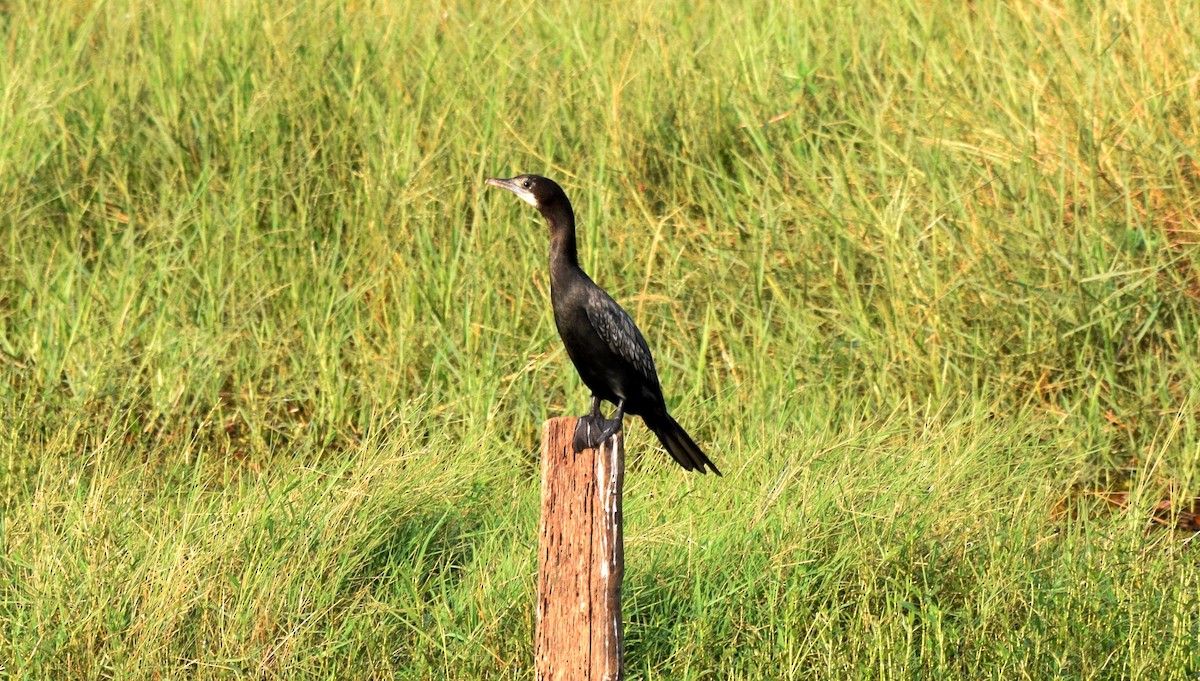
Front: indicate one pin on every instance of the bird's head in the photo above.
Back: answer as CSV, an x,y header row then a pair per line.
x,y
540,192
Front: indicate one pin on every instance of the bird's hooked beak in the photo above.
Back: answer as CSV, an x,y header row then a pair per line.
x,y
512,186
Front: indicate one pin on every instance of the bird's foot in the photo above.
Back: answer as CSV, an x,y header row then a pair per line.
x,y
593,431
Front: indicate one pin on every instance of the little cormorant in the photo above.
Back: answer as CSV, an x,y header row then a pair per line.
x,y
602,341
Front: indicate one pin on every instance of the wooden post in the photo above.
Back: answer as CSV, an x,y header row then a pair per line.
x,y
580,559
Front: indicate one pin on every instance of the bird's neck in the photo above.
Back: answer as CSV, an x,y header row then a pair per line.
x,y
564,257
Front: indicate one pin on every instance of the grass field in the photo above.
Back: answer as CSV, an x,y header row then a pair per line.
x,y
923,277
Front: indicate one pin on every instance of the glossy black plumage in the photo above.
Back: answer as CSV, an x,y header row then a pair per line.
x,y
604,344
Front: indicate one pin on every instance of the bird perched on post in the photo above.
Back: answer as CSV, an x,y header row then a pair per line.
x,y
602,341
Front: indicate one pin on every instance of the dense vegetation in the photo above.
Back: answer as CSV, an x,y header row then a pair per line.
x,y
923,277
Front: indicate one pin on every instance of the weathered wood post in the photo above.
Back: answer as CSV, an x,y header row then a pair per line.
x,y
580,558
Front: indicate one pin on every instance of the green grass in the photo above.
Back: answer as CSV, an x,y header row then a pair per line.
x,y
922,277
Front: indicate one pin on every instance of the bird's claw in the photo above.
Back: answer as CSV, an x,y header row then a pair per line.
x,y
593,431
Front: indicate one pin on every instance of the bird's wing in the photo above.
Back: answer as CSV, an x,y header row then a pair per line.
x,y
620,333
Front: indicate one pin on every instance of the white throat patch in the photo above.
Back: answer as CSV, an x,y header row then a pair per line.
x,y
527,197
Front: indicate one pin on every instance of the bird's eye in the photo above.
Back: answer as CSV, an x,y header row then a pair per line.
x,y
526,184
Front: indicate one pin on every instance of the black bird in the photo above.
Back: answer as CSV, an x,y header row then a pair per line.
x,y
602,341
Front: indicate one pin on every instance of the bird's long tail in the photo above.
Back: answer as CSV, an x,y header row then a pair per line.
x,y
679,444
